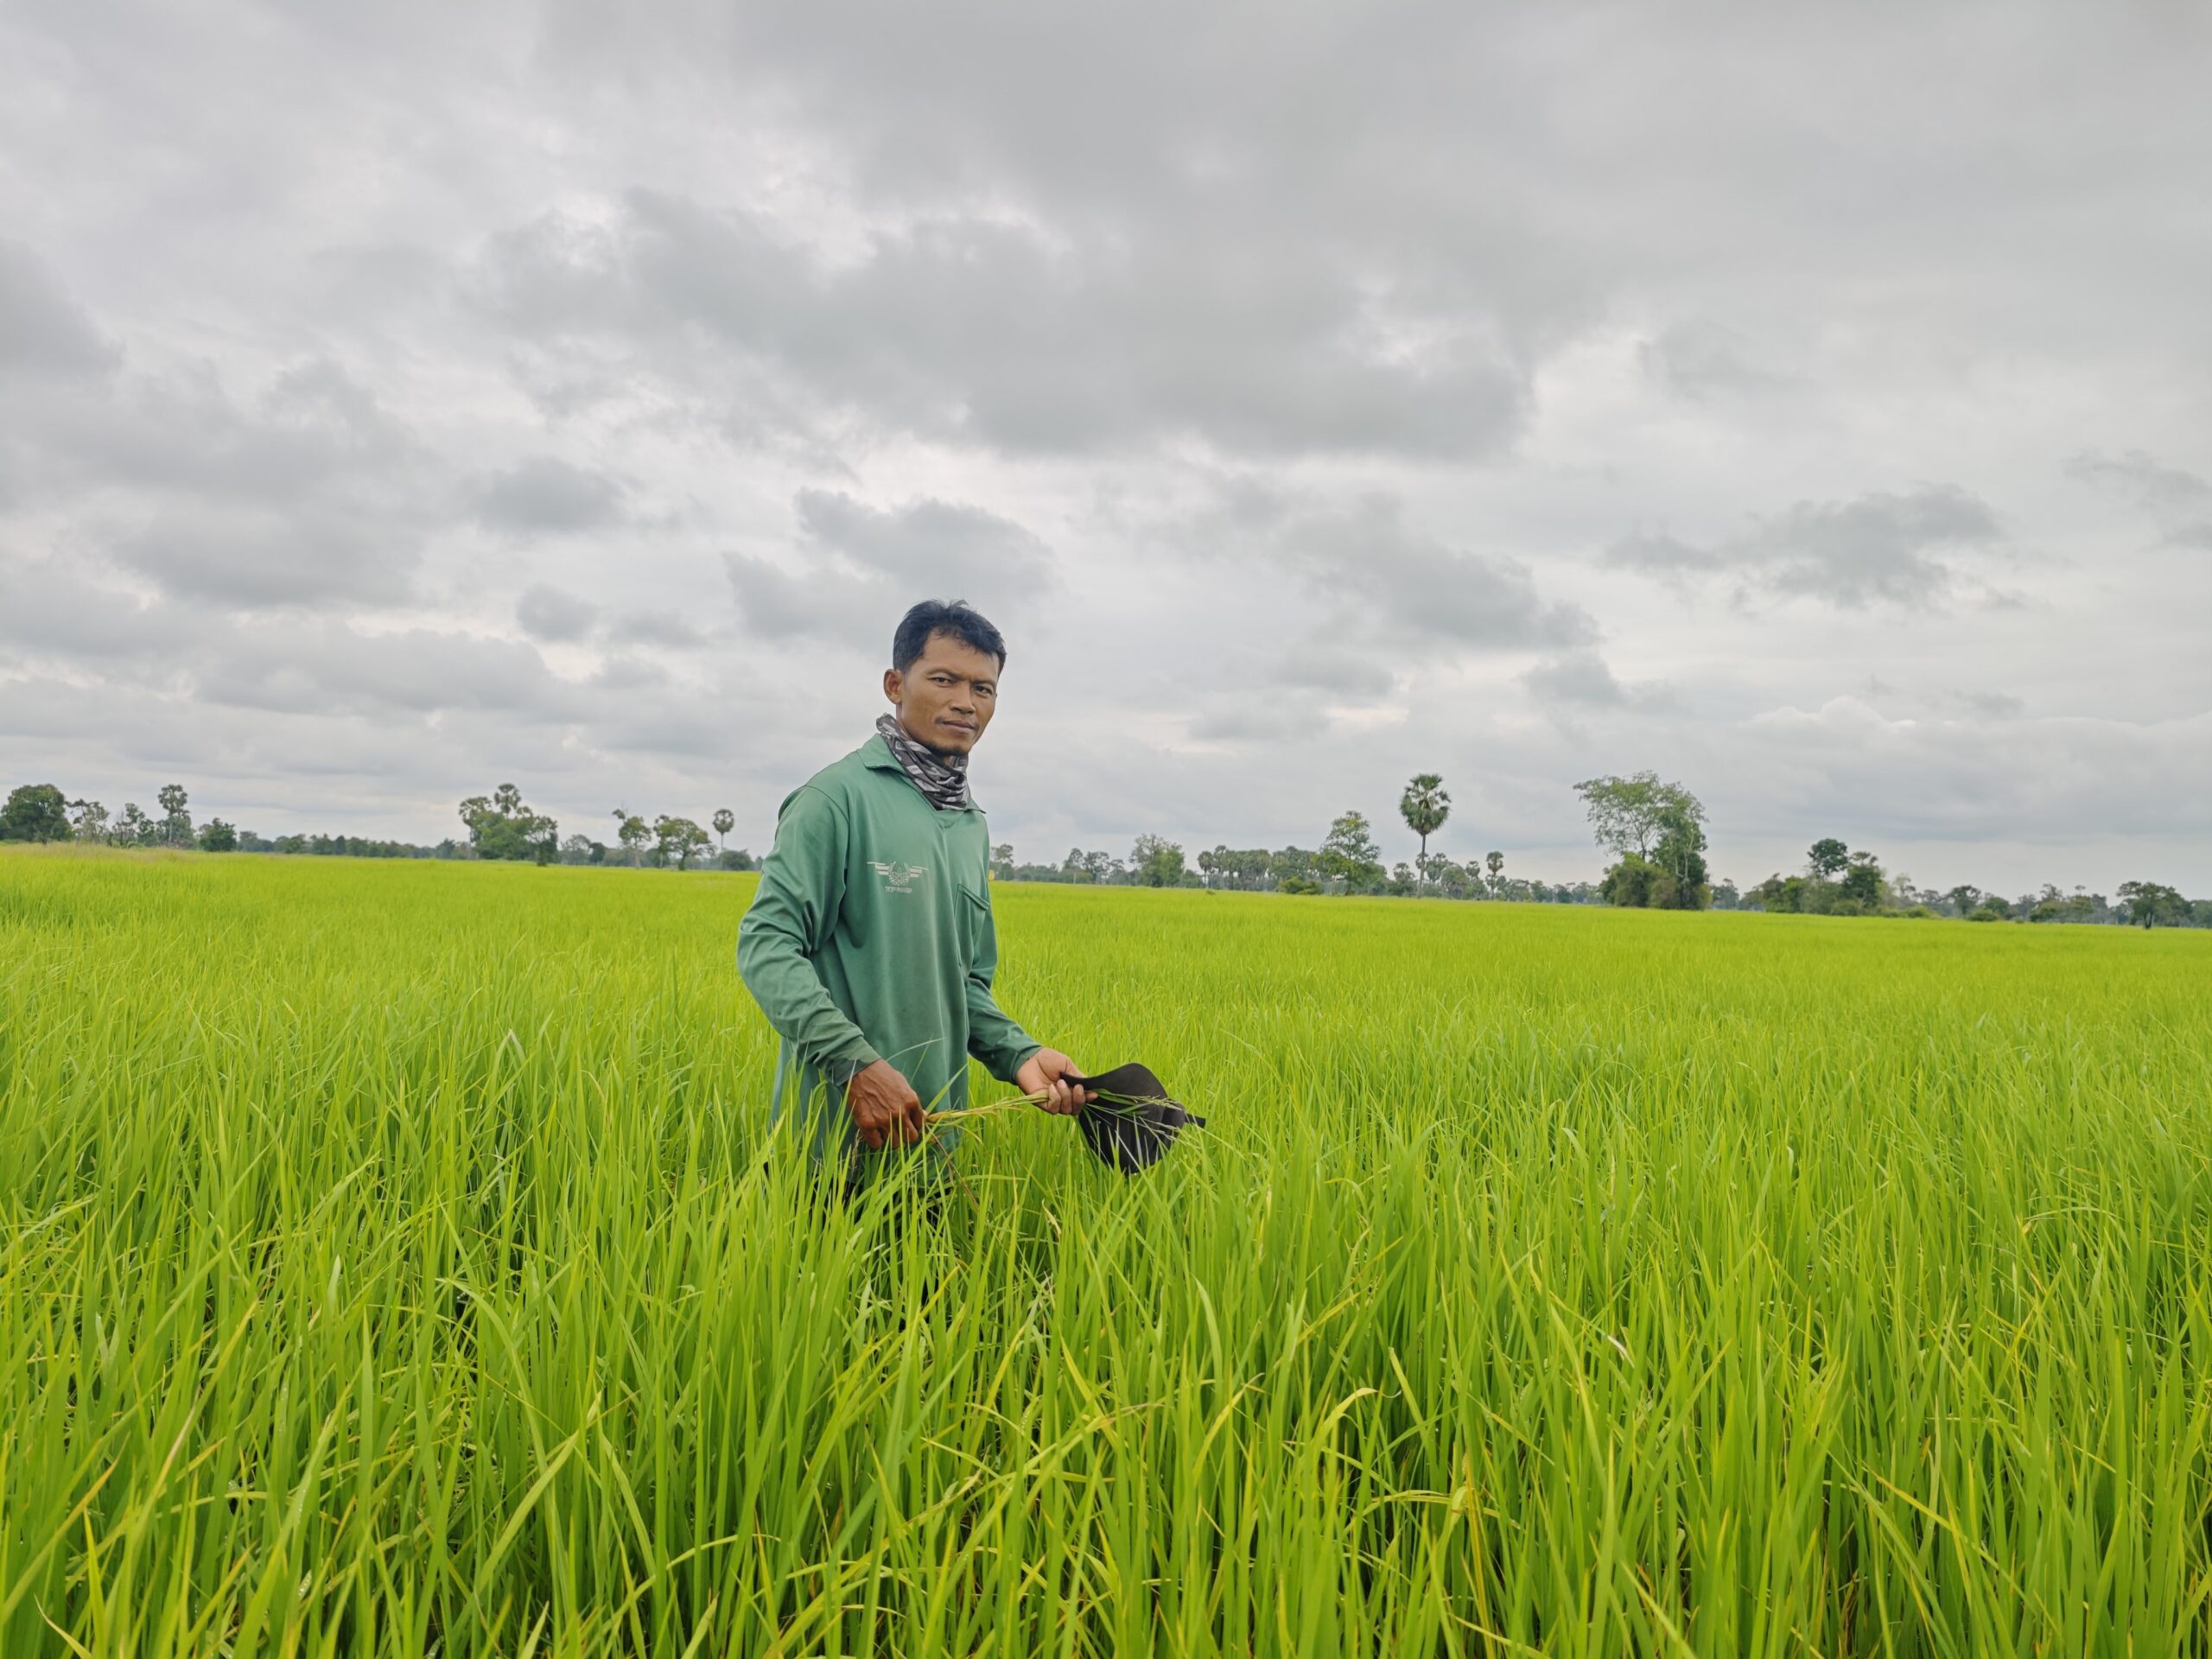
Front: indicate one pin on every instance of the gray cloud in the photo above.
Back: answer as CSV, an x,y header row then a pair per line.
x,y
1844,764
1416,588
1877,547
663,628
975,329
554,615
1891,549
1245,719
546,496
1580,679
773,603
1699,357
1310,352
1991,705
936,545
247,556
43,330
2180,500
1663,555
861,566
1323,667
48,610
308,493
344,670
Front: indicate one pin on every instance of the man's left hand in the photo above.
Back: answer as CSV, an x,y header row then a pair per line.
x,y
1045,1073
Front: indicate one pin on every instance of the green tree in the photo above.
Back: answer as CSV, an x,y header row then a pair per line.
x,y
219,837
1234,867
1629,815
1826,857
1680,858
677,838
34,812
88,821
134,828
1862,882
724,821
1002,862
503,827
1662,826
1780,895
2151,904
1446,875
176,821
1155,861
632,832
1424,806
1494,867
1348,855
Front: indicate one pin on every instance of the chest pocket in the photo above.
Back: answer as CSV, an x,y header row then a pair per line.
x,y
973,920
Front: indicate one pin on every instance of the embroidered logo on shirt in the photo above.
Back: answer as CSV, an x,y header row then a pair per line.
x,y
899,878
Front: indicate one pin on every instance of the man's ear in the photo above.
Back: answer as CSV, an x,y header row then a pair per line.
x,y
894,686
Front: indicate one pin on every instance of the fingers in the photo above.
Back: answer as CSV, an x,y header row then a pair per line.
x,y
1078,1097
886,1110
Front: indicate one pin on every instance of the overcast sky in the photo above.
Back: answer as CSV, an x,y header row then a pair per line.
x,y
1814,405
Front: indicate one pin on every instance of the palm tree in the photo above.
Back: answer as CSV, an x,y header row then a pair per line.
x,y
1425,806
725,821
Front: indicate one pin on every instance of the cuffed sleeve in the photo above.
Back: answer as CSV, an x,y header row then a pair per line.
x,y
994,1039
802,885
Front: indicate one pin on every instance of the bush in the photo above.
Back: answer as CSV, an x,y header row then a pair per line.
x,y
1630,882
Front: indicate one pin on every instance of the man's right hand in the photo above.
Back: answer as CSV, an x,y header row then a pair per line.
x,y
886,1110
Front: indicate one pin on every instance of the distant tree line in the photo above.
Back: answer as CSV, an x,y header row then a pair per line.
x,y
501,826
1655,830
1347,862
40,812
1837,881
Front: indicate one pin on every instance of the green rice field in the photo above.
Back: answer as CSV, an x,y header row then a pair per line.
x,y
394,1259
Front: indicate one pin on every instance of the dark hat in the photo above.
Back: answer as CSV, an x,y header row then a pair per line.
x,y
1129,1121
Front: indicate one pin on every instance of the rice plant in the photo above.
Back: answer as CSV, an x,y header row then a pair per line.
x,y
395,1259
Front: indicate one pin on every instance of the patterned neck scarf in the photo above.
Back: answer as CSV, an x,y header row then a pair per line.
x,y
942,779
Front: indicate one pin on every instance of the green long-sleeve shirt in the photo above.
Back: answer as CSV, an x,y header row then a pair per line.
x,y
871,939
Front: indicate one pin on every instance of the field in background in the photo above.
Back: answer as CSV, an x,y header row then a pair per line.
x,y
387,1258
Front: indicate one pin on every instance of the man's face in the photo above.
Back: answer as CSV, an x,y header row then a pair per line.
x,y
946,696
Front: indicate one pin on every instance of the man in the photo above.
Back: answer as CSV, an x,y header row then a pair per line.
x,y
870,944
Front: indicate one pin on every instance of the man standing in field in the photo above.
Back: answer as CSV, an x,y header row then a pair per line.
x,y
870,944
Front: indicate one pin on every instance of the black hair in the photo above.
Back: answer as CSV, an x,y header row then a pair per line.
x,y
932,617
